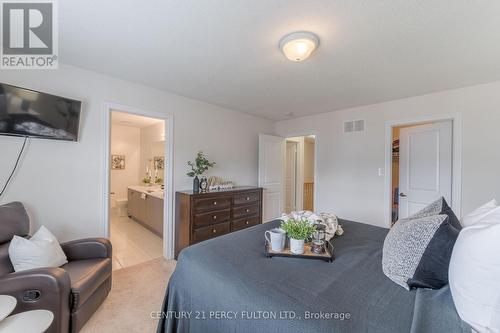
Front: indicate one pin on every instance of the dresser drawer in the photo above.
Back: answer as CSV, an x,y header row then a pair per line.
x,y
215,203
243,211
212,231
214,217
201,216
245,223
246,198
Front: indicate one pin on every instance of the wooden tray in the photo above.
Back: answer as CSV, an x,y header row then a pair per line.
x,y
328,255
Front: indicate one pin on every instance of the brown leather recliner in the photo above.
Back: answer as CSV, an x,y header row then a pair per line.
x,y
72,292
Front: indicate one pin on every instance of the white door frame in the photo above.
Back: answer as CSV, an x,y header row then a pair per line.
x,y
168,217
456,183
316,142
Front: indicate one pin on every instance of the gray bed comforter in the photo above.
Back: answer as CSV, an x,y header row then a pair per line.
x,y
227,284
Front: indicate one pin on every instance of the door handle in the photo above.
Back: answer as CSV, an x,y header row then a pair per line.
x,y
402,195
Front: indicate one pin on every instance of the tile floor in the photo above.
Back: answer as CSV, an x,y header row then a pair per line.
x,y
132,243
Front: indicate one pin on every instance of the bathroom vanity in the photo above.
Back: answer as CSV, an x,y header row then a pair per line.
x,y
145,206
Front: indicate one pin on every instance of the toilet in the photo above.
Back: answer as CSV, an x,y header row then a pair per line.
x,y
112,200
121,205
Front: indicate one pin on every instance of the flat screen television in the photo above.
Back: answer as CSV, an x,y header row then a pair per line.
x,y
29,113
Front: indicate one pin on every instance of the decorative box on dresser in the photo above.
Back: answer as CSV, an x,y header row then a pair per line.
x,y
201,216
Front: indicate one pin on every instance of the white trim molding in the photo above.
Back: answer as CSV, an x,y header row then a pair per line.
x,y
456,196
168,209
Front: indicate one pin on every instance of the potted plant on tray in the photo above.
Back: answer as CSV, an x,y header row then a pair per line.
x,y
298,231
198,167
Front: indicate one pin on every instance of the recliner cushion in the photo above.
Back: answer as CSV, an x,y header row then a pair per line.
x,y
15,221
5,263
86,276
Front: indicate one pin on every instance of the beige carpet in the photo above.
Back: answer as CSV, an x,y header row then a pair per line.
x,y
136,291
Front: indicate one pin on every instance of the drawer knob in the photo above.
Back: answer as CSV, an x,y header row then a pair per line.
x,y
248,198
247,222
247,210
215,203
214,230
214,217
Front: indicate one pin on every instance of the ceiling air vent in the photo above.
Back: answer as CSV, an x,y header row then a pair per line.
x,y
354,126
348,126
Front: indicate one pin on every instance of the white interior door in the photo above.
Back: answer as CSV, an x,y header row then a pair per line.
x,y
271,175
291,177
425,166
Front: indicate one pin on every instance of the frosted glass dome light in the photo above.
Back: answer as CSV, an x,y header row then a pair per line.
x,y
299,46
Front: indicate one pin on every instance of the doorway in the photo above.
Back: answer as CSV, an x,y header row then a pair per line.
x,y
424,164
161,142
136,192
299,173
301,176
291,176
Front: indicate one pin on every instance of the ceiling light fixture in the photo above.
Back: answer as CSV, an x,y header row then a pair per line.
x,y
299,46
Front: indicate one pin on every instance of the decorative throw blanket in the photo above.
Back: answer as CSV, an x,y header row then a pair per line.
x,y
328,219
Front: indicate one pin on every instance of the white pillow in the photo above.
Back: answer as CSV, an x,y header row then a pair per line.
x,y
479,213
41,250
474,274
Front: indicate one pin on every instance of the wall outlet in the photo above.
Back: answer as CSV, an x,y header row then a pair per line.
x,y
381,171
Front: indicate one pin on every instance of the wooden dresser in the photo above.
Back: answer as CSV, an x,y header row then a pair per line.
x,y
201,216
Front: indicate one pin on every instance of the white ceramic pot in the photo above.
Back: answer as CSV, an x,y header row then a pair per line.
x,y
297,246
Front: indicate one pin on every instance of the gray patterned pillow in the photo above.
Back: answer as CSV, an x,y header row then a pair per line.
x,y
417,251
440,206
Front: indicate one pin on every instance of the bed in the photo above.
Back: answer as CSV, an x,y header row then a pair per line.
x,y
227,284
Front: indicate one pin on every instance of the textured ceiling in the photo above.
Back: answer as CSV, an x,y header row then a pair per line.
x,y
225,52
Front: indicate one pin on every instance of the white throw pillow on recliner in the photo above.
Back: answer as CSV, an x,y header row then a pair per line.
x,y
41,250
479,213
474,273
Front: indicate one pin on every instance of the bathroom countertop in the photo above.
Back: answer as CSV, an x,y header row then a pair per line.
x,y
154,191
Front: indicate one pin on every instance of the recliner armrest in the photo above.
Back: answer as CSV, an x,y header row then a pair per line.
x,y
88,248
41,288
53,278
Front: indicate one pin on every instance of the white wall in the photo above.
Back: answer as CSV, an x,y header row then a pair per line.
x,y
61,182
125,140
347,180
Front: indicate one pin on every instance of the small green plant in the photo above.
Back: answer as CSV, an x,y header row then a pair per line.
x,y
158,181
200,165
146,180
298,229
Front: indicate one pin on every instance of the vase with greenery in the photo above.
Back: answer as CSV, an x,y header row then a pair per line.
x,y
146,181
198,167
298,231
